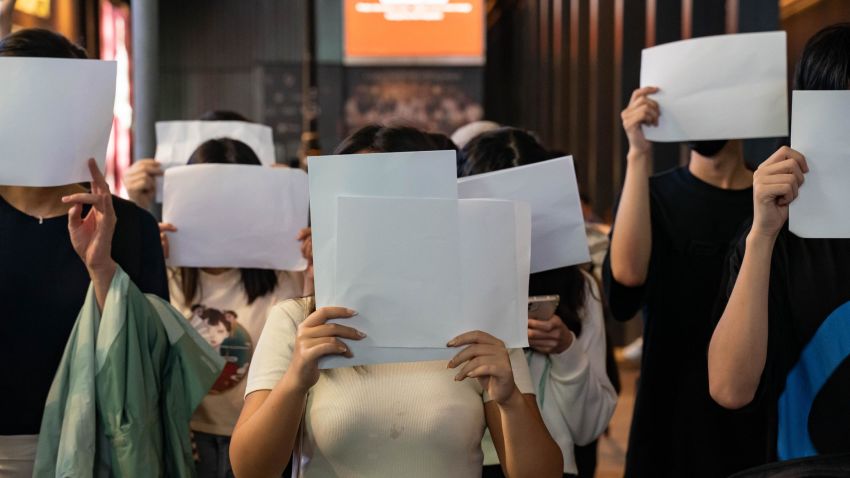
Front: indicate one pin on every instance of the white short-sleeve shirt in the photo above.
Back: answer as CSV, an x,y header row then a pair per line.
x,y
388,420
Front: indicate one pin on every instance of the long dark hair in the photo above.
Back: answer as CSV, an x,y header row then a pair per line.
x,y
40,43
256,282
825,63
377,138
505,148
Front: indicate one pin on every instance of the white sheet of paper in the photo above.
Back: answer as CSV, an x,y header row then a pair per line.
x,y
820,130
55,114
230,215
558,236
398,266
177,140
495,253
429,174
718,87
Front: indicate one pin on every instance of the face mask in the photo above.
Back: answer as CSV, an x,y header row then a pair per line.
x,y
707,148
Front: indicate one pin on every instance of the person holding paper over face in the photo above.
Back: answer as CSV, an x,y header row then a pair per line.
x,y
234,302
669,242
398,419
783,339
567,349
44,281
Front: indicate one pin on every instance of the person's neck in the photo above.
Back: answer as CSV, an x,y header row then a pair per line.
x,y
44,203
725,170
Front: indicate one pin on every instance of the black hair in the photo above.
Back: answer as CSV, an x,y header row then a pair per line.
x,y
223,115
387,139
256,282
825,63
40,43
215,317
502,148
505,148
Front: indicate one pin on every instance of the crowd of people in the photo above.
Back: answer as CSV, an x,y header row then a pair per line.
x,y
733,303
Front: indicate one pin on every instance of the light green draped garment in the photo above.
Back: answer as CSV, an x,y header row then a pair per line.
x,y
129,380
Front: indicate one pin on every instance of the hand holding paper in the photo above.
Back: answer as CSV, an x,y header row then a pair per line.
x,y
718,87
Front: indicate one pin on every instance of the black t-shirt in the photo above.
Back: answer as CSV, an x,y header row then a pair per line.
x,y
806,382
43,285
677,429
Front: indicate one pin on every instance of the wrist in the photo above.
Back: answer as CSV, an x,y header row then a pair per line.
x,y
293,384
513,401
102,272
760,236
637,154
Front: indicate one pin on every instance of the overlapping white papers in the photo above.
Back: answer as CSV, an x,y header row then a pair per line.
x,y
235,216
718,87
177,140
48,132
558,237
391,241
820,130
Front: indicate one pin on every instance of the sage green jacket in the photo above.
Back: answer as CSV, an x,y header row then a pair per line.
x,y
129,380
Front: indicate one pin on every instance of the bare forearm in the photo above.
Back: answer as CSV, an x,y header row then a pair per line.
x,y
101,279
738,349
529,449
262,444
631,244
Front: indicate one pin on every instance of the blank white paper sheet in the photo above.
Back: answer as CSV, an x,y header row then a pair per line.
x,y
820,130
235,216
177,140
718,87
55,114
558,237
429,174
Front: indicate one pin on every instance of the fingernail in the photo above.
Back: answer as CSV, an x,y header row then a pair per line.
x,y
451,343
351,312
64,198
361,334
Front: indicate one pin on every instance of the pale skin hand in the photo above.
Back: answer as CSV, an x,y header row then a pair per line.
x,y
91,236
265,433
140,181
738,350
631,243
549,336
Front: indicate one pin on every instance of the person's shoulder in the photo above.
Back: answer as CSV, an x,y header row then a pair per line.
x,y
292,311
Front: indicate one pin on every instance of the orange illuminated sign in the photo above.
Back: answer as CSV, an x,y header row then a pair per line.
x,y
414,31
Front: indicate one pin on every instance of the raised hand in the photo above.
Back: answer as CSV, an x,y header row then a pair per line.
x,y
91,235
776,183
487,360
140,181
641,110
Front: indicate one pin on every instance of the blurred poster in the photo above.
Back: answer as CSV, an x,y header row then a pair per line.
x,y
281,100
434,99
380,32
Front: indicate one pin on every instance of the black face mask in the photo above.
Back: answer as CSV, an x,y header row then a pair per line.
x,y
707,148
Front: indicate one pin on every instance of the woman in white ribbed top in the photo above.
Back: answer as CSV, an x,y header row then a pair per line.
x,y
410,419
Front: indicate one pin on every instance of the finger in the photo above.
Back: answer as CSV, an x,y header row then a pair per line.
x,y
544,325
788,166
152,168
783,194
75,218
488,370
304,233
784,153
471,352
335,330
474,337
166,226
97,176
646,90
547,344
82,198
782,179
322,349
324,314
539,334
473,364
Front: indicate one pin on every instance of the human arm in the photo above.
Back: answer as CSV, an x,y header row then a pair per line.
x,y
631,241
265,434
737,353
91,235
520,437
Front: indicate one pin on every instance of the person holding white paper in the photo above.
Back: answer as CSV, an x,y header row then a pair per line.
x,y
231,301
400,419
43,283
669,241
783,339
140,178
567,350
